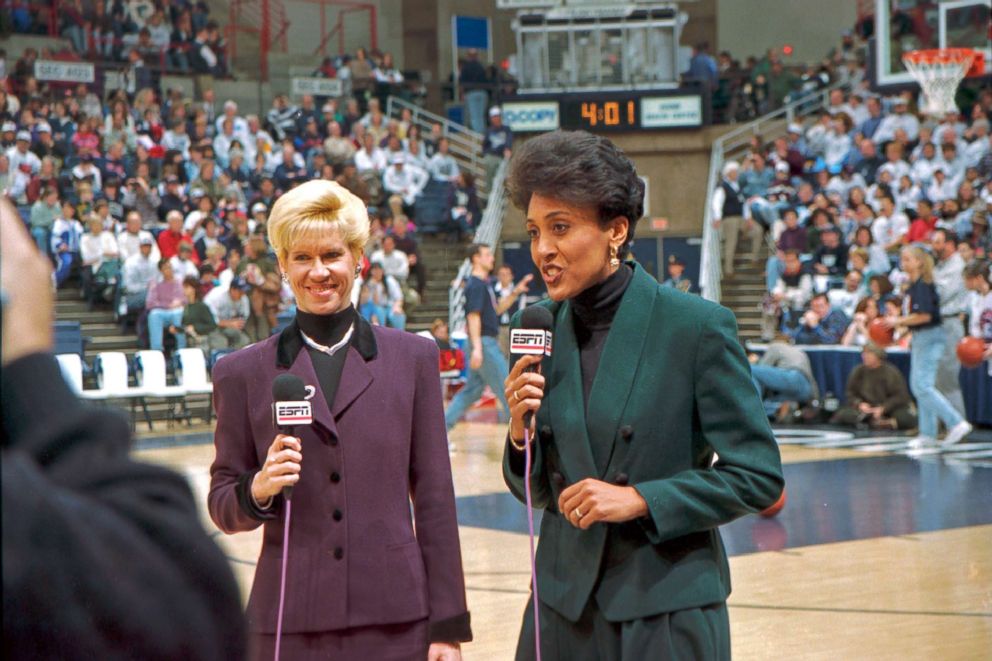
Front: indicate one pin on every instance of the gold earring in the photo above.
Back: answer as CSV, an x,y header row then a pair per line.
x,y
614,260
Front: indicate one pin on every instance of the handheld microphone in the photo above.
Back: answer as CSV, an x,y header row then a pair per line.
x,y
533,338
289,409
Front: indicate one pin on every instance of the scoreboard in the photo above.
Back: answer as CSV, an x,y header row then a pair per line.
x,y
622,111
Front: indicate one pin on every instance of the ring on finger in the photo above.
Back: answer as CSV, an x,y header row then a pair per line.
x,y
516,396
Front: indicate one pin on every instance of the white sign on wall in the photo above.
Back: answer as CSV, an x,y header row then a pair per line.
x,y
68,72
670,111
524,116
315,86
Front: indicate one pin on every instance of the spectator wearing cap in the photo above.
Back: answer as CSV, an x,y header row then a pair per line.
x,y
900,118
496,145
185,262
676,275
44,212
405,181
727,208
8,135
131,237
21,155
171,197
45,144
86,170
876,396
231,309
137,275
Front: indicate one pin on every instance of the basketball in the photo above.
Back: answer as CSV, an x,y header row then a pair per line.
x,y
879,333
776,508
970,351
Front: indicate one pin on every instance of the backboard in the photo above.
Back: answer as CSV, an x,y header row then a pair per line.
x,y
907,25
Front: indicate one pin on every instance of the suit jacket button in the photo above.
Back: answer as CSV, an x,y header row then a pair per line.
x,y
337,515
621,479
558,478
627,432
338,553
335,477
546,431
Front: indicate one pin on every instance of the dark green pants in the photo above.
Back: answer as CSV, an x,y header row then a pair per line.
x,y
688,635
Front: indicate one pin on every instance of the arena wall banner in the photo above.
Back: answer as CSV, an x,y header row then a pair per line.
x,y
524,116
315,86
67,72
670,111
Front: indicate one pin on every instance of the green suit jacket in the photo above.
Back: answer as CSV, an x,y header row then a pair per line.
x,y
674,401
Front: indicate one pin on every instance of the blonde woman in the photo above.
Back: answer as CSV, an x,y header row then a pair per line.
x,y
921,314
362,583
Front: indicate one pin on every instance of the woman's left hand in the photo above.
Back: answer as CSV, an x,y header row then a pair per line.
x,y
444,652
593,501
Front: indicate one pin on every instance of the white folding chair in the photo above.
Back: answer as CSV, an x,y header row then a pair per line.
x,y
191,374
111,372
72,370
150,375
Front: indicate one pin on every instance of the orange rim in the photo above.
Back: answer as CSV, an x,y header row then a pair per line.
x,y
941,55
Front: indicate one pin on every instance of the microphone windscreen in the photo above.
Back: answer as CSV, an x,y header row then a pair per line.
x,y
288,388
537,317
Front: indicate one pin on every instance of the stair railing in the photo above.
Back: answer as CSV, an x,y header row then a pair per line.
x,y
488,233
730,143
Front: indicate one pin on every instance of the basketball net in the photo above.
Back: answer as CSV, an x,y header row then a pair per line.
x,y
939,72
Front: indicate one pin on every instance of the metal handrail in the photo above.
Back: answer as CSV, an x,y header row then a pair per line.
x,y
466,144
711,266
488,234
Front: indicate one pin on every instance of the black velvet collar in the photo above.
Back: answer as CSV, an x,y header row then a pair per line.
x,y
597,305
327,329
291,342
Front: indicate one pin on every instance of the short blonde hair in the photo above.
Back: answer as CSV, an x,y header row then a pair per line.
x,y
313,208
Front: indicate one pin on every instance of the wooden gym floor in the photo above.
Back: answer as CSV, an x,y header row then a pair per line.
x,y
880,553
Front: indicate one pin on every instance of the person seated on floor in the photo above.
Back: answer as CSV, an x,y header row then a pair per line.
x,y
876,395
783,378
821,324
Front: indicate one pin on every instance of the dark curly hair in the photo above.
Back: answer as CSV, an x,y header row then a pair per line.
x,y
581,169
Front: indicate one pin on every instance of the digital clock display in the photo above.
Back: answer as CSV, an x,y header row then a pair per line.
x,y
621,113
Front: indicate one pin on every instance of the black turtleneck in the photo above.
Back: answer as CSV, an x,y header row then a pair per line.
x,y
592,313
327,329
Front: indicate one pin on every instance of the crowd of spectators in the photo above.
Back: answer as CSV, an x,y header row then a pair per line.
x,y
843,198
132,190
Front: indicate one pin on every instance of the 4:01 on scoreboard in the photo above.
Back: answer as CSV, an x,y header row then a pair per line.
x,y
618,114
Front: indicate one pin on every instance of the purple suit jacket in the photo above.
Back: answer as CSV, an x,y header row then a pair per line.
x,y
354,557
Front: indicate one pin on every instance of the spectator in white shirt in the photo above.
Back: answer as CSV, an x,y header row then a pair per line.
x,y
394,262
941,186
890,226
20,153
407,182
980,144
138,273
900,118
238,124
370,158
230,307
129,241
182,262
922,168
443,166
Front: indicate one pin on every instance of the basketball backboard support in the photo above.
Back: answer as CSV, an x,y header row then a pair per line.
x,y
907,25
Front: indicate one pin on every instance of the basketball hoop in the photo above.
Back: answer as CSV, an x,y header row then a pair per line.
x,y
939,72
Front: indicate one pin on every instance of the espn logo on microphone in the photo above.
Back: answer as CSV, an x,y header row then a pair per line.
x,y
288,414
528,341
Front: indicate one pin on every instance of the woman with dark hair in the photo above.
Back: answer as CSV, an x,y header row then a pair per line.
x,y
636,464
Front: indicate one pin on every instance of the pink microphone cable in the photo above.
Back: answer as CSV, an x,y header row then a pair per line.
x,y
533,561
282,580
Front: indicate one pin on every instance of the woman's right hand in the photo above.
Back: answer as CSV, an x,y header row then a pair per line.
x,y
524,392
281,468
